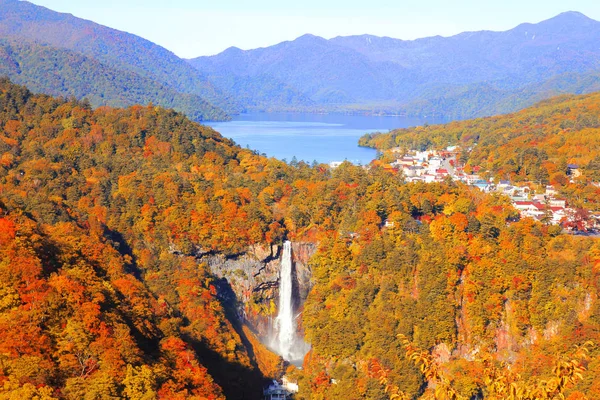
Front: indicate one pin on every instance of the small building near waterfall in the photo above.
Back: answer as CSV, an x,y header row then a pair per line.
x,y
276,392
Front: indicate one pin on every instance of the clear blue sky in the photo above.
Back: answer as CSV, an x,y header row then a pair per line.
x,y
192,28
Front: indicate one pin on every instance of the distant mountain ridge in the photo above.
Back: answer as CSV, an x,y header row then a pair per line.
x,y
468,75
483,55
161,70
423,76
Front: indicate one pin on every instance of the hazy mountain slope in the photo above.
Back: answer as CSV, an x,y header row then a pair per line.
x,y
470,74
63,72
484,99
325,72
529,52
261,91
112,47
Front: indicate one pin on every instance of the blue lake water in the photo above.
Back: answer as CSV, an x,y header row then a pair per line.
x,y
321,137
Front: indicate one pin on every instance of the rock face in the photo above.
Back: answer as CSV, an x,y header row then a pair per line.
x,y
301,255
251,280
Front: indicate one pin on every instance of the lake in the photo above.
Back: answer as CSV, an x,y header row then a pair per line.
x,y
321,137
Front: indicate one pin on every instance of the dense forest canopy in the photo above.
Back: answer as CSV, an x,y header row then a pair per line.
x,y
105,216
465,283
109,187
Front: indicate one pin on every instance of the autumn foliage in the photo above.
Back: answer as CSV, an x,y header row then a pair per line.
x,y
106,216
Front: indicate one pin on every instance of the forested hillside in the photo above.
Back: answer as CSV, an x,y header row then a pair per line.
x,y
77,324
487,99
147,69
106,216
60,72
468,75
495,304
102,293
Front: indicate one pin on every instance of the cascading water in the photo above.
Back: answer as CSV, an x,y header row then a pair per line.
x,y
286,326
288,344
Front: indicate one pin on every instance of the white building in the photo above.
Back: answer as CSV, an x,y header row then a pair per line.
x,y
558,203
435,163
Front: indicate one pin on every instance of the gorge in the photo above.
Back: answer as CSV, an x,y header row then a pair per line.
x,y
268,286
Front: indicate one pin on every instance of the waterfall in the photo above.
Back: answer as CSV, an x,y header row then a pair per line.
x,y
286,324
285,341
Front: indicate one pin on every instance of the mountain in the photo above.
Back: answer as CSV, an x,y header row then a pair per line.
x,y
529,52
62,72
396,75
485,99
262,92
470,74
323,71
121,51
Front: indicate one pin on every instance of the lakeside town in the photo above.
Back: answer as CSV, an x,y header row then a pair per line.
x,y
543,204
